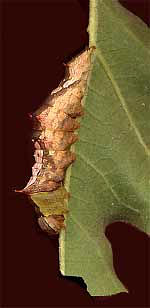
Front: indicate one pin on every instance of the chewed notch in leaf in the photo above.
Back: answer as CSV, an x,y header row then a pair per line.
x,y
54,126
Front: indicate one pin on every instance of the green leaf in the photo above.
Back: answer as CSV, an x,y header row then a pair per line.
x,y
110,179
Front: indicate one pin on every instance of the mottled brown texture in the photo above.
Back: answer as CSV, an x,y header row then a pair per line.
x,y
51,224
56,222
39,186
64,158
70,98
58,140
58,121
54,125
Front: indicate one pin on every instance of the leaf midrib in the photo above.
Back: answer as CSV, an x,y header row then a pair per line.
x,y
122,100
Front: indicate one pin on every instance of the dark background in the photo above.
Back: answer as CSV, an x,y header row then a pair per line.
x,y
37,37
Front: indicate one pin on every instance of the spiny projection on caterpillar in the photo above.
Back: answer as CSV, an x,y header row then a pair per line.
x,y
54,125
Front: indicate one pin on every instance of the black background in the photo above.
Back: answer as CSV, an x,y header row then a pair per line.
x,y
37,37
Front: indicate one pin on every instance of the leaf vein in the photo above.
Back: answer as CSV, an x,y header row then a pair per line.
x,y
101,174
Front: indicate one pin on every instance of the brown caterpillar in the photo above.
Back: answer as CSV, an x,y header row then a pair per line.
x,y
54,125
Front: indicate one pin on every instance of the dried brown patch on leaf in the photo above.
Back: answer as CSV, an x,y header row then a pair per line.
x,y
57,140
54,126
52,224
37,185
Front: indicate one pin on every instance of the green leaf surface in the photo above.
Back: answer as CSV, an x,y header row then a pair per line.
x,y
110,179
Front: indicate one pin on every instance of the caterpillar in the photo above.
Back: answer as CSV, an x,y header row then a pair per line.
x,y
54,126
